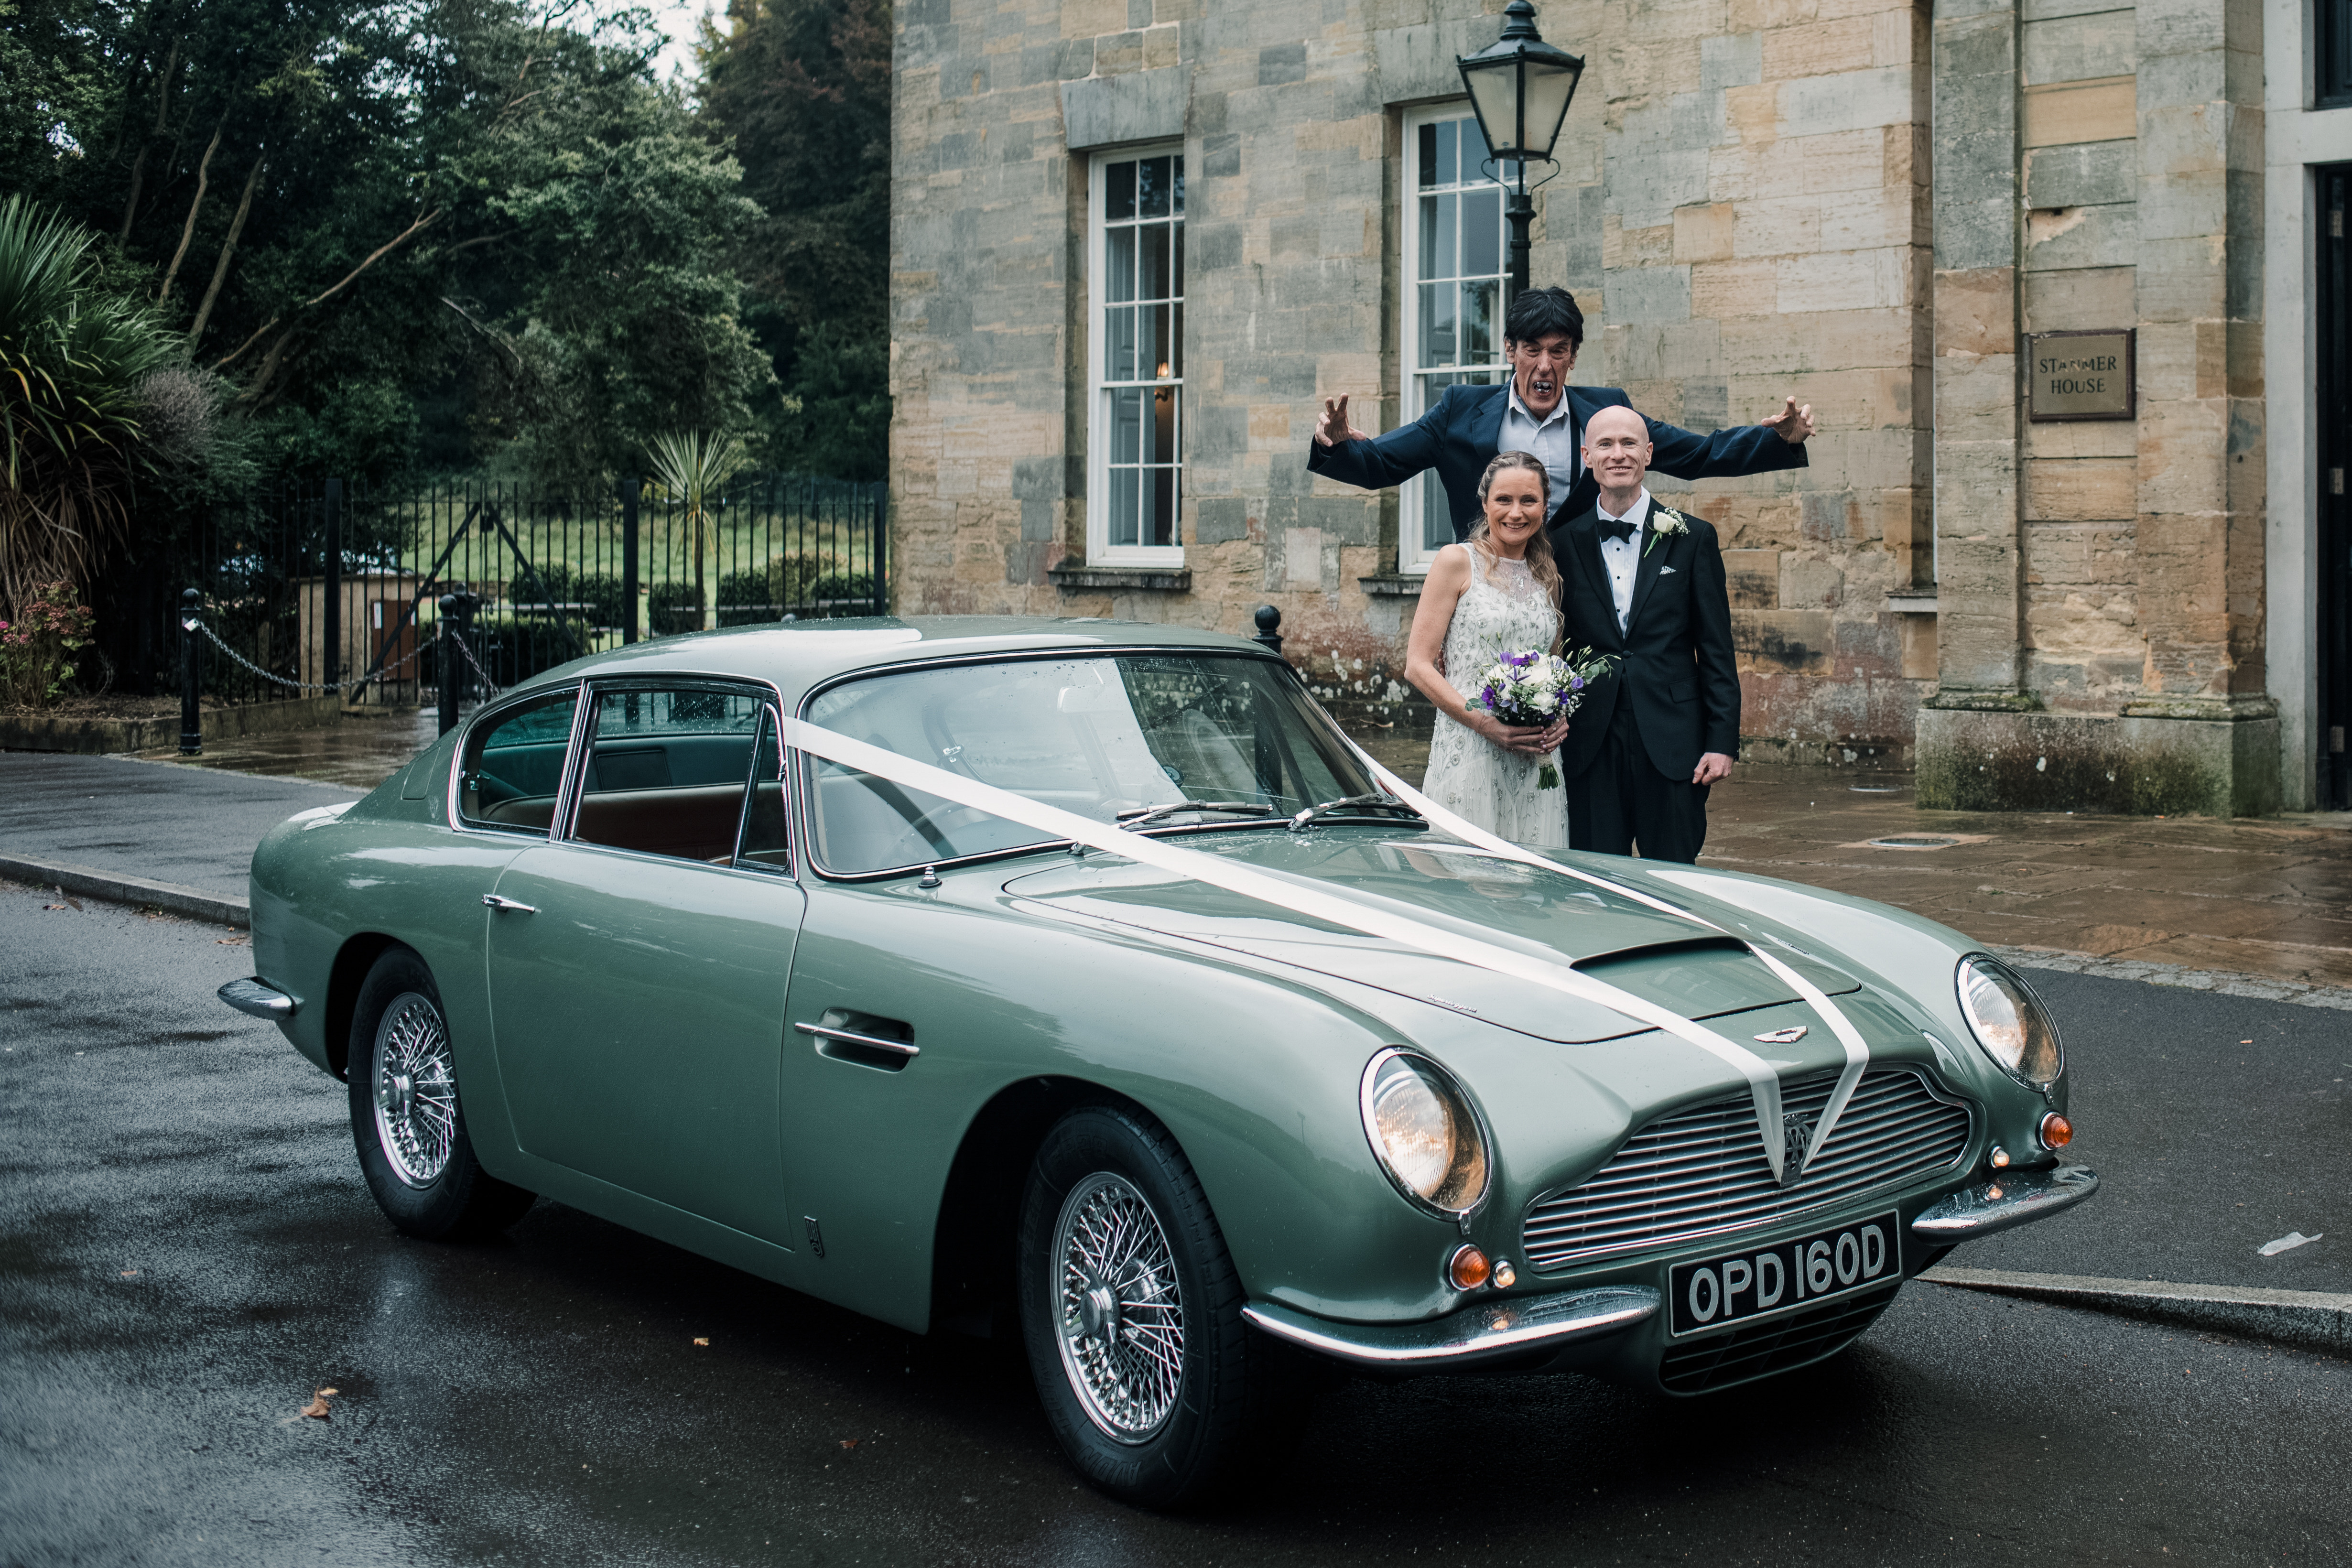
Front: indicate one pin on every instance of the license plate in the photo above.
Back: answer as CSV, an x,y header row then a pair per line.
x,y
1762,1281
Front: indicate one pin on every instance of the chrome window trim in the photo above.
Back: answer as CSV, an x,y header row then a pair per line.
x,y
1024,655
491,714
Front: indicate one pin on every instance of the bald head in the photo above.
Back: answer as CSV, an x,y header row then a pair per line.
x,y
1617,451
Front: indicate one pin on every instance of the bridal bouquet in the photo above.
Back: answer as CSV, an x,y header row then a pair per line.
x,y
1531,690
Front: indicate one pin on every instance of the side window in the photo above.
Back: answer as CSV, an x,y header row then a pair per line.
x,y
513,769
765,844
666,771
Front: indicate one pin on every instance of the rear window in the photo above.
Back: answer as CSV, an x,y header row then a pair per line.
x,y
514,765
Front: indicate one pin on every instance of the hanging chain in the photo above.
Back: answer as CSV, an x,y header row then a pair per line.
x,y
495,690
384,673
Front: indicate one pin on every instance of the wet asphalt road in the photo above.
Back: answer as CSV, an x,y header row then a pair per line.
x,y
186,1252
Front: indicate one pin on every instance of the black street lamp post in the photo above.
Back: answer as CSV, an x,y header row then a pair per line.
x,y
1520,88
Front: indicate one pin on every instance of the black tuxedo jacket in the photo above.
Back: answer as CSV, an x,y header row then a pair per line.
x,y
1463,431
1674,663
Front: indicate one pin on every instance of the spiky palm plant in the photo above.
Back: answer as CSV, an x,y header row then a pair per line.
x,y
72,356
692,467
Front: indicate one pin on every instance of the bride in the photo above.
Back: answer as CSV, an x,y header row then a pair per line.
x,y
1497,594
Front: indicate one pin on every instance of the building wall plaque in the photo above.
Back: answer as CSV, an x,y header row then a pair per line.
x,y
2080,375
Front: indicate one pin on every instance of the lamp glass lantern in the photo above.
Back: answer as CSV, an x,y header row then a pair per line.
x,y
1520,88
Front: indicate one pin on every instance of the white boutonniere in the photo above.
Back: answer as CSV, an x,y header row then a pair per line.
x,y
1664,524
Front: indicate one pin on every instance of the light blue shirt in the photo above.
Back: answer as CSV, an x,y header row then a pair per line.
x,y
1552,440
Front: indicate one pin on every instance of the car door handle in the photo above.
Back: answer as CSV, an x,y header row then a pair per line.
x,y
494,901
897,1047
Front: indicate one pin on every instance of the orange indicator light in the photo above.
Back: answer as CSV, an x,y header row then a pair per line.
x,y
2056,1131
1469,1269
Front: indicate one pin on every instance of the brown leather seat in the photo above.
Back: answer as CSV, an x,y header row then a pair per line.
x,y
694,823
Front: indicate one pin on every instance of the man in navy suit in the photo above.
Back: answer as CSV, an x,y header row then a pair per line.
x,y
1536,411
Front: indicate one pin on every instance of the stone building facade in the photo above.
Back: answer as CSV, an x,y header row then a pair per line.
x,y
1102,406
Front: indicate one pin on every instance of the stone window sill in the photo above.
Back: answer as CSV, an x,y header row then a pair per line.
x,y
1911,603
1122,578
1393,585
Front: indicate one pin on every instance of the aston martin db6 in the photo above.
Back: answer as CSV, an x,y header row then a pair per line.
x,y
1084,982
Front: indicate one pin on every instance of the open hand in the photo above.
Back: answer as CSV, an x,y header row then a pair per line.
x,y
1712,768
1791,425
1335,426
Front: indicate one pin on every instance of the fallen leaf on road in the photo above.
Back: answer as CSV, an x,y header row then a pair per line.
x,y
704,1341
71,902
230,942
317,1409
53,906
849,1442
2288,1242
130,1273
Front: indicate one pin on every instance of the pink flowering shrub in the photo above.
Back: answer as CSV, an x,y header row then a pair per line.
x,y
37,649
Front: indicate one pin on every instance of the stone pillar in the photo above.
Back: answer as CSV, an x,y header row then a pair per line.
x,y
2201,454
1976,249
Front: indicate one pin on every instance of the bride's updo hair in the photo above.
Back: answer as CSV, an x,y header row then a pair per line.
x,y
1540,562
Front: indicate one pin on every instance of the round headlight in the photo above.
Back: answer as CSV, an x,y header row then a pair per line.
x,y
2008,1021
1422,1128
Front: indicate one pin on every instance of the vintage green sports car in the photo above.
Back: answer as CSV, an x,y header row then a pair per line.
x,y
1084,978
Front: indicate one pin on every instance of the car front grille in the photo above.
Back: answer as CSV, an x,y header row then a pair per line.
x,y
1701,1169
1720,1360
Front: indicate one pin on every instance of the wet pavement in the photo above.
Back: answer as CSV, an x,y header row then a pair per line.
x,y
187,1253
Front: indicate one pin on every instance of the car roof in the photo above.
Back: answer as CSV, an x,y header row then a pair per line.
x,y
797,655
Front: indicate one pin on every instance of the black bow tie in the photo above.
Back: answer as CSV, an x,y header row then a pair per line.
x,y
1616,528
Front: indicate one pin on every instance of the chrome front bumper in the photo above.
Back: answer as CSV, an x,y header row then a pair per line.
x,y
1502,1329
2009,1199
262,1000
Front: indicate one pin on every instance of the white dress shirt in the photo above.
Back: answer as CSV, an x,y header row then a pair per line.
x,y
1623,556
1552,439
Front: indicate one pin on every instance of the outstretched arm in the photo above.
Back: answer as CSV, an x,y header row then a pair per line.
x,y
1340,451
1777,443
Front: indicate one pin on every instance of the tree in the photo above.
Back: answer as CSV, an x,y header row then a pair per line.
x,y
800,89
74,356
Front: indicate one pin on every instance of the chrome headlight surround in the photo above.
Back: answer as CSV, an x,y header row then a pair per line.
x,y
2008,1021
1426,1133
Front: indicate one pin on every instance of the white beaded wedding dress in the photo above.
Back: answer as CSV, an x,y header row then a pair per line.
x,y
1504,611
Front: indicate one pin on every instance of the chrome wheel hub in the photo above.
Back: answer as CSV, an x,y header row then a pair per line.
x,y
415,1090
1122,1319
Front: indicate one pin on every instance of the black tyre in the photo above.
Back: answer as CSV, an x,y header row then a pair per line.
x,y
406,1117
1130,1311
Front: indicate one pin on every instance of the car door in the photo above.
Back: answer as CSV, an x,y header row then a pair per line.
x,y
638,959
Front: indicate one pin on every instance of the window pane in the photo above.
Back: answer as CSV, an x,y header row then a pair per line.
x,y
1151,280
1178,290
1152,193
1428,205
1477,322
1436,527
1124,527
666,773
1176,345
1428,138
1482,233
1162,353
1119,192
1474,149
1118,264
514,768
1437,323
1441,263
1126,427
1179,187
766,844
1163,426
1443,150
1163,503
1118,347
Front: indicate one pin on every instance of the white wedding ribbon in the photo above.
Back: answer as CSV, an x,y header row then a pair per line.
x,y
1857,1050
1764,1083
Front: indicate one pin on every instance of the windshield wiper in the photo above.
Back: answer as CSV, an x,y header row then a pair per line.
x,y
1133,820
1351,802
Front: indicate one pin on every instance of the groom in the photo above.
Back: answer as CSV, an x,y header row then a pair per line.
x,y
1644,584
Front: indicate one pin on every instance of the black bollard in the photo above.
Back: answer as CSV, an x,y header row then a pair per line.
x,y
191,728
1269,627
456,610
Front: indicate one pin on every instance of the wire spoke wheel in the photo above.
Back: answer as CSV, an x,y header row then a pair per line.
x,y
1120,1315
415,1090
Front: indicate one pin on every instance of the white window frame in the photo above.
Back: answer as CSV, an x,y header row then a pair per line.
x,y
1412,558
1100,549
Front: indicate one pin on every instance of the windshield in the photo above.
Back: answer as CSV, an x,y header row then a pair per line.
x,y
1105,736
